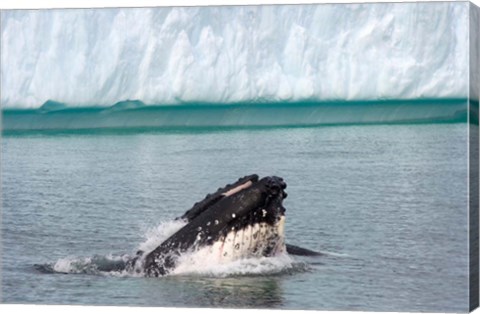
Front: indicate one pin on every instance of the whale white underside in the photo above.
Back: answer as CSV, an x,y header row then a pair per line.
x,y
249,242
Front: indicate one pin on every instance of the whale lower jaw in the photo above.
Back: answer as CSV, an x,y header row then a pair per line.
x,y
252,241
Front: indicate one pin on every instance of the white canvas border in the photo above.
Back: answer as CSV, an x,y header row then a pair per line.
x,y
44,4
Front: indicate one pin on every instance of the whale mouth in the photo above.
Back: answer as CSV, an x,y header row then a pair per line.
x,y
242,220
265,213
259,232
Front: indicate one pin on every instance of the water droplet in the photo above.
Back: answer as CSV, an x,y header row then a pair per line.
x,y
233,215
199,229
216,222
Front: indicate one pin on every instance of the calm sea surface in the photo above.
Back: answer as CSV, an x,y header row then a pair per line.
x,y
387,204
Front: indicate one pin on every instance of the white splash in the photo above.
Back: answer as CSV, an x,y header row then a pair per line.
x,y
97,264
155,236
234,54
71,264
201,263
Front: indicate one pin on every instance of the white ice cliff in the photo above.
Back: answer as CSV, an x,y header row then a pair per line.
x,y
90,57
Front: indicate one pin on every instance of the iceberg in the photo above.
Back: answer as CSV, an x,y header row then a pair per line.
x,y
234,54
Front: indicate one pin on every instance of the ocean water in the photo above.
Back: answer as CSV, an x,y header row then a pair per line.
x,y
386,204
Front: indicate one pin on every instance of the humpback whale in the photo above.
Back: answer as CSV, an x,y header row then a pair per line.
x,y
241,220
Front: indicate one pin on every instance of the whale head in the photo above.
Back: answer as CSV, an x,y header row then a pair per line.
x,y
242,220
